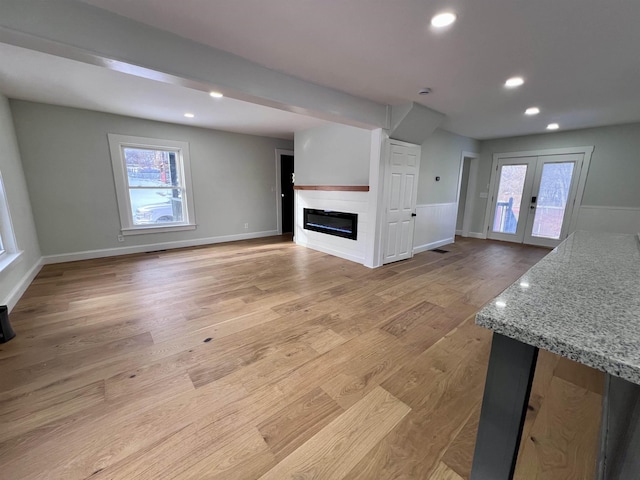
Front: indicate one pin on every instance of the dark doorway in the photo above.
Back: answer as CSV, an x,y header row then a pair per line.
x,y
286,187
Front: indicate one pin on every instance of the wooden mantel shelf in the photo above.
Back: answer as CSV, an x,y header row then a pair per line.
x,y
335,188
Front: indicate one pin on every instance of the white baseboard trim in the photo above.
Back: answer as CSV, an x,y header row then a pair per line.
x,y
12,299
330,251
432,245
459,232
112,252
479,235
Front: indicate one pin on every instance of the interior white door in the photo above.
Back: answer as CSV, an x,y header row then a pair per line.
x,y
553,199
512,190
400,194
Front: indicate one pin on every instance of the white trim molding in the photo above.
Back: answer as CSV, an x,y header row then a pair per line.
x,y
151,247
432,245
180,149
12,298
163,229
608,219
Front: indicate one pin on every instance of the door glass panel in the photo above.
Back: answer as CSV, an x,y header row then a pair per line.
x,y
505,219
555,185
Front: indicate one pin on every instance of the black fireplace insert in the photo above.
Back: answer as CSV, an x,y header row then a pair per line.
x,y
340,224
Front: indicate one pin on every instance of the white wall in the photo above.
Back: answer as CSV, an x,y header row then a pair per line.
x,y
612,181
332,154
17,277
437,207
67,166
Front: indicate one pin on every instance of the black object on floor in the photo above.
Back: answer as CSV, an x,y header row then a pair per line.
x,y
6,332
439,250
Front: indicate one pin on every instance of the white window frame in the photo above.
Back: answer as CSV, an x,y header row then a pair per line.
x,y
9,252
117,144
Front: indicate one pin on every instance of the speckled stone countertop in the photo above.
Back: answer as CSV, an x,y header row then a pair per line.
x,y
581,301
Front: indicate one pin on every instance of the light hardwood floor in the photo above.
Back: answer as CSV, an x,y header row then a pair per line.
x,y
261,359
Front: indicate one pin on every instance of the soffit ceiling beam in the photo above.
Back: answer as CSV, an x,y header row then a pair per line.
x,y
85,33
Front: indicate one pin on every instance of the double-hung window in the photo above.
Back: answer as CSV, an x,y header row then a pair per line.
x,y
9,252
153,184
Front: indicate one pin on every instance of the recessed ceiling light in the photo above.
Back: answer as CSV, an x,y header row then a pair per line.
x,y
189,115
532,111
514,82
216,94
553,126
443,19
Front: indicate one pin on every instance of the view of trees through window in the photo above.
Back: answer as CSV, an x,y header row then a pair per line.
x,y
155,186
509,198
555,185
551,202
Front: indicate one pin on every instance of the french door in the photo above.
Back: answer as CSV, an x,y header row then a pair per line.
x,y
533,198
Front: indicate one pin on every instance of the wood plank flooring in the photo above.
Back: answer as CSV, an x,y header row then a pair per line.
x,y
264,360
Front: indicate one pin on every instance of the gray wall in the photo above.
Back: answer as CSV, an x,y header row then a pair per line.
x,y
441,154
67,165
332,154
613,175
19,206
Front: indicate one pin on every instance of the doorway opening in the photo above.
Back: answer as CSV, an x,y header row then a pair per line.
x,y
466,192
285,204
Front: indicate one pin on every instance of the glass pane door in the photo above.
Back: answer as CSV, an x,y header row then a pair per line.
x,y
505,219
553,194
513,185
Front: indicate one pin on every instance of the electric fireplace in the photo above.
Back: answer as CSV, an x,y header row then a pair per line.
x,y
340,224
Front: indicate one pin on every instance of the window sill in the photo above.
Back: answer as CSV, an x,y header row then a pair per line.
x,y
156,229
8,259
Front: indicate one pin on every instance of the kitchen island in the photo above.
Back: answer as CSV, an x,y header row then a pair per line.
x,y
582,301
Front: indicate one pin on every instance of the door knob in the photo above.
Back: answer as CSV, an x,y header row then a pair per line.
x,y
413,215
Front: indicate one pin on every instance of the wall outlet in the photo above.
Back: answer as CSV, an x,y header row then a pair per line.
x,y
246,226
121,238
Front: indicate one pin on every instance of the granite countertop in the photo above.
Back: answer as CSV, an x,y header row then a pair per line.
x,y
581,301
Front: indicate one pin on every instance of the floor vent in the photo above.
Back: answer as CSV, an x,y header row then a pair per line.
x,y
439,250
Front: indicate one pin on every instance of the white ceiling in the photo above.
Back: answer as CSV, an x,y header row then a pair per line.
x,y
81,85
579,59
